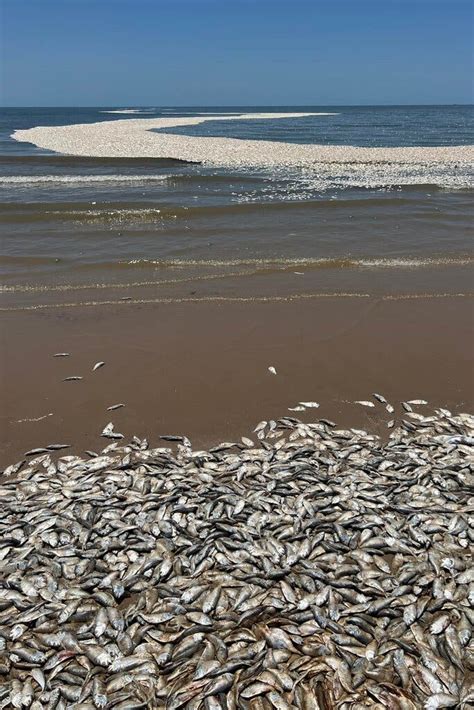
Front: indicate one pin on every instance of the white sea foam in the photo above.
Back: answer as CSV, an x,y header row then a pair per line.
x,y
77,179
138,138
300,184
342,262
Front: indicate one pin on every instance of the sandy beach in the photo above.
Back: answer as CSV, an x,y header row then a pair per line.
x,y
201,369
236,432
304,559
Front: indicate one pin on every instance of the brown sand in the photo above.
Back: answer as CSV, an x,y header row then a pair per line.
x,y
201,369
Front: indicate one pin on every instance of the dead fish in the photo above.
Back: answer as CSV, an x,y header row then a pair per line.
x,y
61,355
109,433
272,370
254,689
312,567
71,378
440,700
97,365
328,422
13,468
57,447
364,403
247,442
310,405
115,406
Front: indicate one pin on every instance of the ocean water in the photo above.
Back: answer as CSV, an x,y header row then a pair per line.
x,y
72,223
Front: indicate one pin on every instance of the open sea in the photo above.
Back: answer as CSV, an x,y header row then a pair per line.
x,y
117,225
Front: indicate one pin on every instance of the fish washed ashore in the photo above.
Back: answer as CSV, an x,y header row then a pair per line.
x,y
308,567
146,138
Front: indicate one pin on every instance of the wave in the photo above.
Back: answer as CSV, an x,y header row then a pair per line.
x,y
27,288
237,299
248,268
78,179
81,214
135,212
58,160
284,185
310,263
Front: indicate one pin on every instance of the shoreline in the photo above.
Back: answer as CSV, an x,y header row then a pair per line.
x,y
201,369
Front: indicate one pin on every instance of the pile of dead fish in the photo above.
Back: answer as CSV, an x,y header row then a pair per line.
x,y
310,568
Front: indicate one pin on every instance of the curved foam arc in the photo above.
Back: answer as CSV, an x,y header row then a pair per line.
x,y
131,138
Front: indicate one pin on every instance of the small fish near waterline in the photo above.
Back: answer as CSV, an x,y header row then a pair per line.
x,y
109,432
315,568
272,370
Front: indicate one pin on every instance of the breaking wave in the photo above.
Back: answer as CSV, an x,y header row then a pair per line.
x,y
321,263
78,179
247,267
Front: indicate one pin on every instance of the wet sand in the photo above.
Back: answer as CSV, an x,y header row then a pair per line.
x,y
201,369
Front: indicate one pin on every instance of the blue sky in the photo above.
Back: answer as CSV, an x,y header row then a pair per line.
x,y
235,52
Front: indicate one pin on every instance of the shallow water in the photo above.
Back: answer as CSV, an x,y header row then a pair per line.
x,y
78,221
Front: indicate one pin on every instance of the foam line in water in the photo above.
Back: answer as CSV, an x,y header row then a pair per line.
x,y
347,262
234,299
262,267
77,179
137,138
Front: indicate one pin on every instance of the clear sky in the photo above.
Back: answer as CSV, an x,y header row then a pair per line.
x,y
235,52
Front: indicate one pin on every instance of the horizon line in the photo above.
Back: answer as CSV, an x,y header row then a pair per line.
x,y
338,105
